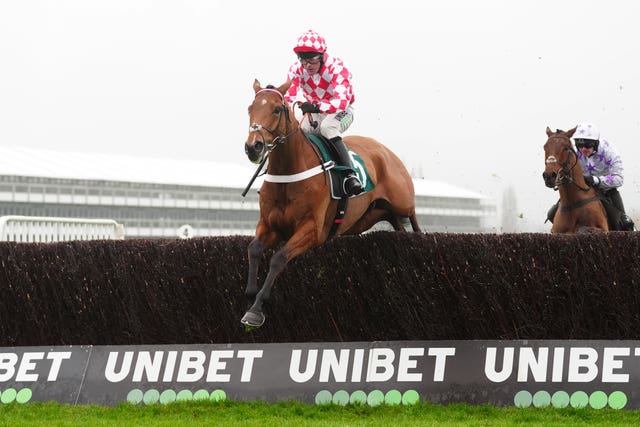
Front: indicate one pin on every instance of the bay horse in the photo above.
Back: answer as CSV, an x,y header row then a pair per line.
x,y
580,209
295,203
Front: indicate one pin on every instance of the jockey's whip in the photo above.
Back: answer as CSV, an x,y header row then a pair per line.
x,y
313,123
255,175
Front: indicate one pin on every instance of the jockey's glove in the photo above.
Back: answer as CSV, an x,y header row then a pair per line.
x,y
308,107
589,180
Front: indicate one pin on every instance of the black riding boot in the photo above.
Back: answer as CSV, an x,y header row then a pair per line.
x,y
625,223
352,185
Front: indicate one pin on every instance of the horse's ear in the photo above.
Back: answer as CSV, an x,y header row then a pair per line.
x,y
570,132
284,87
549,132
256,85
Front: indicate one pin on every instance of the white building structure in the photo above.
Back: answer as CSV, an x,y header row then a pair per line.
x,y
168,198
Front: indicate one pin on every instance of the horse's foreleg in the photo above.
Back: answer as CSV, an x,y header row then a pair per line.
x,y
255,252
254,317
299,243
262,241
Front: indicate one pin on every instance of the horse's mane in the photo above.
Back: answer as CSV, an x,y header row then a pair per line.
x,y
270,87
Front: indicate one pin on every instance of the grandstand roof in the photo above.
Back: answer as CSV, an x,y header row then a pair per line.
x,y
118,167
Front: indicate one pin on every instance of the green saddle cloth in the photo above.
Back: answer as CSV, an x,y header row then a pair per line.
x,y
337,173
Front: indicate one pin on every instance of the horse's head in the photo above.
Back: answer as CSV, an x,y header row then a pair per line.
x,y
269,120
557,152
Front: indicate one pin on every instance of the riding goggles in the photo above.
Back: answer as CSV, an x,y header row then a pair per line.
x,y
312,60
585,143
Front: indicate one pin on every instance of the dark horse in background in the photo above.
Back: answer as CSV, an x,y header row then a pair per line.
x,y
297,208
580,208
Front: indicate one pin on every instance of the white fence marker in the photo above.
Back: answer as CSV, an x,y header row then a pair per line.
x,y
15,228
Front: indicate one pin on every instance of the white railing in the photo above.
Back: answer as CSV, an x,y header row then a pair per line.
x,y
15,228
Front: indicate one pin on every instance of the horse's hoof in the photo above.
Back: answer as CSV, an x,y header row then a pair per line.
x,y
252,319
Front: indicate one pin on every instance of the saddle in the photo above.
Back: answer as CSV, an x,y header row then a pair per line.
x,y
337,173
614,215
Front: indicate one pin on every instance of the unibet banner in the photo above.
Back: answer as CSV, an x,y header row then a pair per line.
x,y
597,374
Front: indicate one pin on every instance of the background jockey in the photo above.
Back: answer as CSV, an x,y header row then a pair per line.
x,y
603,170
325,83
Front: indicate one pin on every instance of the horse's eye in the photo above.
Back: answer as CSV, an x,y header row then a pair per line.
x,y
278,109
249,109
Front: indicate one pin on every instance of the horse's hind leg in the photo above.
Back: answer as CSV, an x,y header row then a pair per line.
x,y
402,223
414,223
370,219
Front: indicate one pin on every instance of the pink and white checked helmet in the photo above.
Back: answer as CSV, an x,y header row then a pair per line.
x,y
310,41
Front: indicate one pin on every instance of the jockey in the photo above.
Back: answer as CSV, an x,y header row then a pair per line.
x,y
603,170
325,84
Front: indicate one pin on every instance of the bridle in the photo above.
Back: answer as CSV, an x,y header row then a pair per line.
x,y
280,138
283,114
564,174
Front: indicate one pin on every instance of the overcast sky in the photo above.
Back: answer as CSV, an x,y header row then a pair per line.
x,y
461,90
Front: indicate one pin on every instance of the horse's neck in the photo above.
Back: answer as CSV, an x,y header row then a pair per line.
x,y
575,190
293,156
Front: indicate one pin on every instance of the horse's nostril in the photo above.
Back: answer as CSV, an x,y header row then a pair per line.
x,y
549,179
254,148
